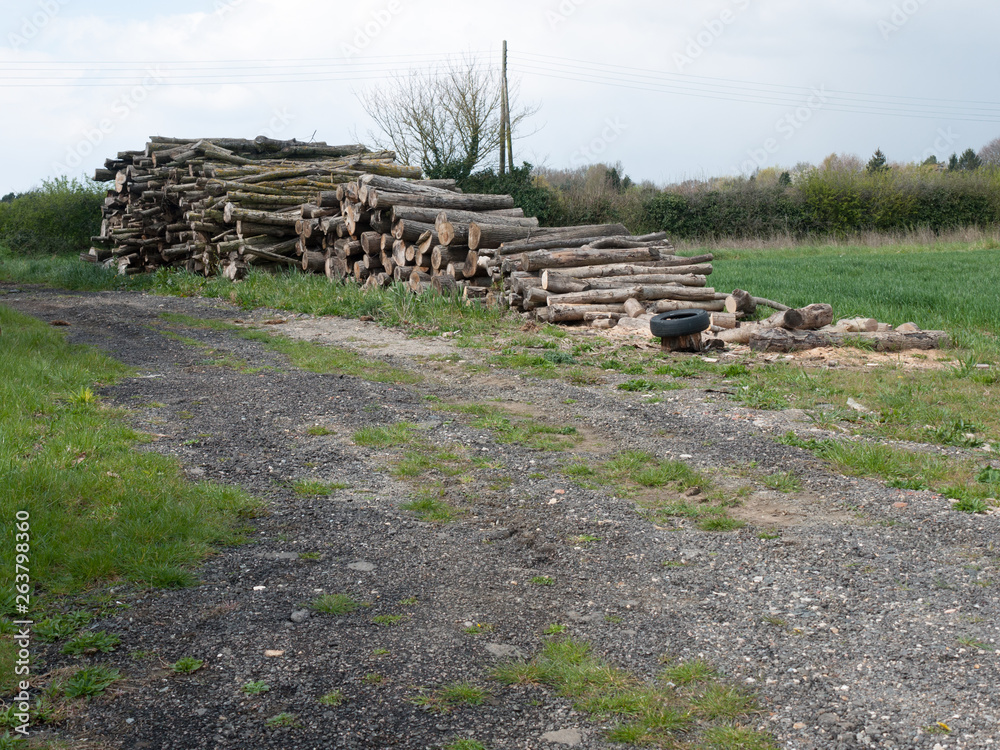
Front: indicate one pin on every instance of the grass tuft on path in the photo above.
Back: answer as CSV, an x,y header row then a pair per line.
x,y
704,710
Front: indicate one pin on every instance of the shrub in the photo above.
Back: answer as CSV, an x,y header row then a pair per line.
x,y
59,217
518,183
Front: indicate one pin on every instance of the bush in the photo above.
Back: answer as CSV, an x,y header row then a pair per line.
x,y
836,199
519,183
59,217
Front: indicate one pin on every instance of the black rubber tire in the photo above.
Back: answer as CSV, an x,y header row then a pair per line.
x,y
679,323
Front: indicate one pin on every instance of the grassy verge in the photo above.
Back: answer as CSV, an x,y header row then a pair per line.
x,y
687,703
99,510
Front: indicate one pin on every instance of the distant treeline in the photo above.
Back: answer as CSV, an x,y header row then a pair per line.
x,y
816,201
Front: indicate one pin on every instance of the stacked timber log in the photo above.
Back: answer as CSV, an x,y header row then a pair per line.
x,y
425,233
214,204
604,278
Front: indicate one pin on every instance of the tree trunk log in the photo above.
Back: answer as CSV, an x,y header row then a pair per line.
x,y
741,302
461,201
595,296
566,313
615,281
418,281
431,215
566,238
441,256
634,307
811,317
781,340
670,305
445,285
557,283
724,320
570,258
636,269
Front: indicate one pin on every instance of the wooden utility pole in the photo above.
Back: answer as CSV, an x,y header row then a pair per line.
x,y
503,108
506,106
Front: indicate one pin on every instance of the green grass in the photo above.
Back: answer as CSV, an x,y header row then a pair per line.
x,y
783,481
428,505
320,431
334,604
60,625
284,719
391,436
451,696
906,469
975,644
187,665
90,681
388,620
510,428
656,484
957,405
894,284
641,385
688,672
464,743
543,581
449,461
91,642
699,709
255,687
630,471
99,509
333,698
316,488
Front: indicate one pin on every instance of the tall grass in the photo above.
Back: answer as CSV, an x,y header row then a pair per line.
x,y
65,272
292,290
98,508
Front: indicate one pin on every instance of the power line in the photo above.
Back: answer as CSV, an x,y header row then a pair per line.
x,y
646,72
836,101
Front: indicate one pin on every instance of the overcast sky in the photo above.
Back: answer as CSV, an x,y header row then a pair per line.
x,y
672,90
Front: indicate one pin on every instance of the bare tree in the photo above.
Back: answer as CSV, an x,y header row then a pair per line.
x,y
446,119
989,154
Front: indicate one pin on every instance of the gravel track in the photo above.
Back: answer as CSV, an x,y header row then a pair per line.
x,y
847,623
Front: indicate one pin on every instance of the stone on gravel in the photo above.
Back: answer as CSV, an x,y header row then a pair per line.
x,y
299,615
363,567
570,737
504,651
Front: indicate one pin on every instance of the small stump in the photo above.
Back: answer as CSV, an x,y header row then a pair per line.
x,y
692,342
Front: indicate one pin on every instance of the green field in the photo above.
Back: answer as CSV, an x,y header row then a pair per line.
x,y
951,287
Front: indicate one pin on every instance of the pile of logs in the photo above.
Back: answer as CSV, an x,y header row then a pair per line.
x,y
605,279
220,204
424,233
812,327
